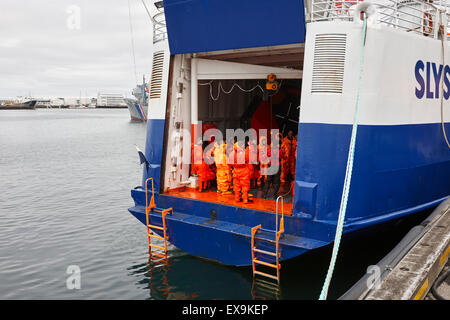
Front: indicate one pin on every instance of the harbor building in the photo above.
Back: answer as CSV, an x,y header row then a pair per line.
x,y
110,100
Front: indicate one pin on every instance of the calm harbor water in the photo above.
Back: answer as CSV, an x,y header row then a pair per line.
x,y
65,180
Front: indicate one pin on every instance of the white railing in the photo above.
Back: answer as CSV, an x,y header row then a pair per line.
x,y
418,16
159,26
156,15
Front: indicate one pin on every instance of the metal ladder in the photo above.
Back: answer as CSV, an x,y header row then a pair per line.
x,y
276,254
265,290
156,251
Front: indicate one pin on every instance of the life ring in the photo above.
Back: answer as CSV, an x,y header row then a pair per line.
x,y
342,7
427,24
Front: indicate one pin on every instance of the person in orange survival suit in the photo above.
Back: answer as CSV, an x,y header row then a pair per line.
x,y
238,159
294,163
210,169
263,159
229,148
284,162
289,146
275,155
293,181
253,172
223,170
196,156
200,167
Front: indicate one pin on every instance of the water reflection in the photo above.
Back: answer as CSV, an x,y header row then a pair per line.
x,y
182,276
265,290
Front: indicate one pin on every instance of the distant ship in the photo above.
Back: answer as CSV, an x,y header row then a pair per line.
x,y
28,105
138,107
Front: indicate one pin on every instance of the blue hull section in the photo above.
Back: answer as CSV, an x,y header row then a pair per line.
x,y
154,151
396,169
210,25
399,170
221,241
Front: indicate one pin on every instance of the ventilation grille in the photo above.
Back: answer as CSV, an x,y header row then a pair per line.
x,y
329,60
157,75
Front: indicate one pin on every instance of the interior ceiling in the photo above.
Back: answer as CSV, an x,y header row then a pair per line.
x,y
283,57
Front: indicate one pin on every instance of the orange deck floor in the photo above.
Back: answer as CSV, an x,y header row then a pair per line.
x,y
212,196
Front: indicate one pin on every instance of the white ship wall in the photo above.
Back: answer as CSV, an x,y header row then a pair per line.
x,y
388,80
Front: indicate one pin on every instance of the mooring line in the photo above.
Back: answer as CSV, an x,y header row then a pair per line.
x,y
348,176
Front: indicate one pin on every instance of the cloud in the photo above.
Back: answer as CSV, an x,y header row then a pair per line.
x,y
43,54
9,42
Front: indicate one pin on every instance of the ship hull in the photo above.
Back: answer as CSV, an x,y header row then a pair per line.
x,y
112,107
17,108
399,170
229,245
137,111
29,105
401,161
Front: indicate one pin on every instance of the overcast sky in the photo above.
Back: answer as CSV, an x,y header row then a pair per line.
x,y
43,52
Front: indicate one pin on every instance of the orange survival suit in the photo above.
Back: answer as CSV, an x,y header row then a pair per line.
x,y
238,159
289,146
200,167
223,173
262,158
253,159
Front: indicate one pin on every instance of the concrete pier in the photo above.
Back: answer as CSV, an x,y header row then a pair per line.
x,y
414,275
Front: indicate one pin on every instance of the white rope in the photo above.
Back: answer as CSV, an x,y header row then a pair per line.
x,y
132,40
348,177
148,12
220,89
441,31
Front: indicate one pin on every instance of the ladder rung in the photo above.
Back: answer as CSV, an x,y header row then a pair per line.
x,y
156,236
155,227
156,246
267,240
155,257
268,231
265,275
274,290
158,254
266,264
265,252
268,285
158,259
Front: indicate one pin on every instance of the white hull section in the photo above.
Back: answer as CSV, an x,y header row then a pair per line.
x,y
388,78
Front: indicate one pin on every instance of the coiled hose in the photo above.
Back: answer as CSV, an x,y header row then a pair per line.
x,y
438,282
